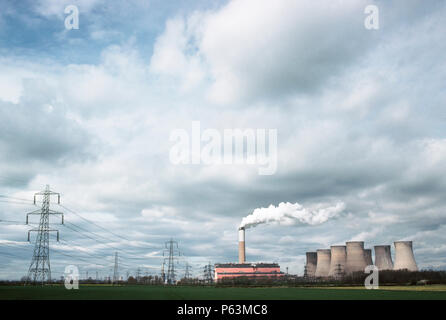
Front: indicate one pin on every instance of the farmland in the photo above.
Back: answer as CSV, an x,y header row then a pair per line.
x,y
101,292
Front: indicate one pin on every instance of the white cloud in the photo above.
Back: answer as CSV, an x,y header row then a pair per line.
x,y
268,48
372,136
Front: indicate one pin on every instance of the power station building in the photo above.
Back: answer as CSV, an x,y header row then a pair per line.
x,y
337,261
251,270
244,269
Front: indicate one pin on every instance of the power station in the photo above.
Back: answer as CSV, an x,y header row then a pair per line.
x,y
352,257
245,269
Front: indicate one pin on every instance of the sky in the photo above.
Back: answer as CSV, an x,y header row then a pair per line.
x,y
359,113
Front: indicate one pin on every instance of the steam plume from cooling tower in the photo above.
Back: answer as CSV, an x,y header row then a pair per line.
x,y
290,213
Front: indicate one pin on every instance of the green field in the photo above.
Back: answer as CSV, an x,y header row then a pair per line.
x,y
97,292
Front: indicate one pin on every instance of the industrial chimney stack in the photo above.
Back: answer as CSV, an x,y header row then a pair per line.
x,y
404,258
241,245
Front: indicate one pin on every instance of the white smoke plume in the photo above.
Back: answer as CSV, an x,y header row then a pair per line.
x,y
290,213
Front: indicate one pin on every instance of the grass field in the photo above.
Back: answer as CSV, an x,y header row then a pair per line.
x,y
99,292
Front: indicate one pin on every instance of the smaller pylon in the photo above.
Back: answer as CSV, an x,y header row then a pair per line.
x,y
115,269
208,273
187,273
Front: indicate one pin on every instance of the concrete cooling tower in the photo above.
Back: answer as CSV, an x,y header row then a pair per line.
x,y
355,257
338,259
368,256
404,258
383,258
323,262
311,263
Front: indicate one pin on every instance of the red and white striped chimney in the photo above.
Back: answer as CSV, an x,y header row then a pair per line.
x,y
241,245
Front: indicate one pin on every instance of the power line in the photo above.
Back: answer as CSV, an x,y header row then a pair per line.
x,y
79,258
92,222
14,198
16,202
53,250
70,226
83,233
44,235
11,254
96,256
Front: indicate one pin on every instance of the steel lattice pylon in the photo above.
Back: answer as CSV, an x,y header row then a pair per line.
x,y
115,269
172,252
208,273
187,273
40,269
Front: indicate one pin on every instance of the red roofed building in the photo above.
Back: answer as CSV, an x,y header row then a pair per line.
x,y
252,270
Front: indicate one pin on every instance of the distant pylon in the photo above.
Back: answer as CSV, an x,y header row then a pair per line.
x,y
138,274
172,252
339,272
208,273
163,274
39,269
187,273
115,270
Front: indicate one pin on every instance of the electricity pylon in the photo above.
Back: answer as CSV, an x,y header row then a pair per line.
x,y
172,252
115,270
39,269
208,273
187,273
163,274
339,272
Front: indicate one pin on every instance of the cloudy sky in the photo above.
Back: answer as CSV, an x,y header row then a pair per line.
x,y
360,117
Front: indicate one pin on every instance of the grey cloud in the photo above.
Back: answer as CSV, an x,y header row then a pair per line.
x,y
32,132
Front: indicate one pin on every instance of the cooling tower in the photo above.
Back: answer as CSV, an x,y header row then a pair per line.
x,y
368,256
323,262
383,258
338,259
311,263
241,245
404,258
355,257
